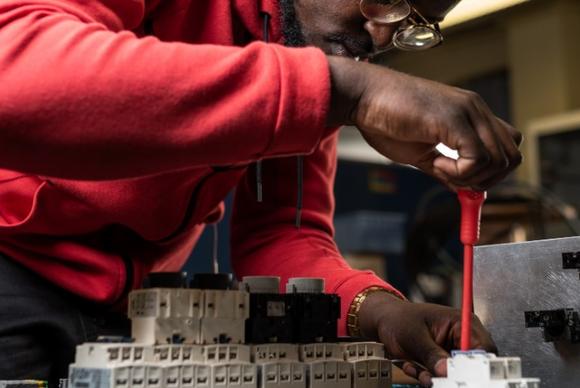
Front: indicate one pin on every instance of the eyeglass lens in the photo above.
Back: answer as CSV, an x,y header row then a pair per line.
x,y
385,11
417,38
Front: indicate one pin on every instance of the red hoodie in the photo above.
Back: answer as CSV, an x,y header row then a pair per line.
x,y
129,143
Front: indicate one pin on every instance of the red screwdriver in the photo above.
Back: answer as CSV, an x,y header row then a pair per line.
x,y
471,204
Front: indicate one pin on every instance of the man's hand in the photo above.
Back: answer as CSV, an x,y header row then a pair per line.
x,y
405,118
420,332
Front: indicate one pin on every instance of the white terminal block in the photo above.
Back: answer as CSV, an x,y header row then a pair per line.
x,y
283,374
261,284
484,368
178,354
86,377
519,383
159,315
156,375
372,373
198,376
320,351
108,355
192,316
224,316
160,375
234,375
201,354
138,376
264,353
227,353
481,370
354,351
171,374
305,285
329,374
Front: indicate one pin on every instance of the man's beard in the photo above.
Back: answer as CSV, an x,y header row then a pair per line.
x,y
291,29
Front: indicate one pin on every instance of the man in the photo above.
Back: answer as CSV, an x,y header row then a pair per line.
x,y
124,124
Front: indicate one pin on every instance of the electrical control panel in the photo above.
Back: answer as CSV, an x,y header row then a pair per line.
x,y
211,335
528,296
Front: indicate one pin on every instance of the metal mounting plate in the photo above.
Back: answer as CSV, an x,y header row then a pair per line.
x,y
510,279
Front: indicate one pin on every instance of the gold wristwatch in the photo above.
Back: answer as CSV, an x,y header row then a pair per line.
x,y
352,317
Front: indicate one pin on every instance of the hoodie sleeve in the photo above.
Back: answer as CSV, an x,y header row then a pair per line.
x,y
83,98
265,240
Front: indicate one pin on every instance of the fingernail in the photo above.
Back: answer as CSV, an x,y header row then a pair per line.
x,y
411,371
441,367
425,379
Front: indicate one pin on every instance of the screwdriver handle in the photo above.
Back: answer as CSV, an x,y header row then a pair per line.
x,y
471,203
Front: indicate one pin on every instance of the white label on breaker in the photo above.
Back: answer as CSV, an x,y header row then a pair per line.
x,y
144,304
90,378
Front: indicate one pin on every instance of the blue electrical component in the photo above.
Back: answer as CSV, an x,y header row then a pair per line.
x,y
473,352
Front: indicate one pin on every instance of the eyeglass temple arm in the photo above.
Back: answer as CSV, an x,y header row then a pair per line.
x,y
423,18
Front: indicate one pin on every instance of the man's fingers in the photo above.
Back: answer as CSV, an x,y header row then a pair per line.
x,y
492,133
440,368
481,338
418,372
415,115
474,156
433,356
410,370
489,347
487,147
424,349
513,140
491,182
505,154
455,172
487,127
425,378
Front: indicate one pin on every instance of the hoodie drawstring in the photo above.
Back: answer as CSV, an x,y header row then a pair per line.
x,y
300,175
299,159
259,185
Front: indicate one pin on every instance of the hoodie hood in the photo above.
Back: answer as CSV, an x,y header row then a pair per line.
x,y
237,18
250,13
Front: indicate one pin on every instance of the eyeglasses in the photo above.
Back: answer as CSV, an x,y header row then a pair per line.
x,y
418,34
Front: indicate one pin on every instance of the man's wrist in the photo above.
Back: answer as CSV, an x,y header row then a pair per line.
x,y
365,309
345,91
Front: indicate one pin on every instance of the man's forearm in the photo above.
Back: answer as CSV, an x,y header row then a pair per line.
x,y
82,100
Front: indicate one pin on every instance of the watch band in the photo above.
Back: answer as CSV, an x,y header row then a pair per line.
x,y
352,317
